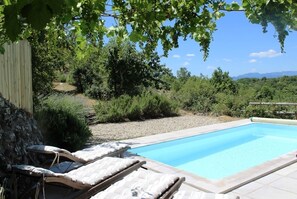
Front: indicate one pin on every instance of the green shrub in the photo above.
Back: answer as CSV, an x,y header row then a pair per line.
x,y
134,111
98,92
197,95
60,76
221,109
62,121
257,111
115,110
154,105
269,112
145,106
149,105
84,76
231,105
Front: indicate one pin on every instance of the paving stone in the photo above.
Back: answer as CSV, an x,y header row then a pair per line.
x,y
269,178
286,184
293,175
248,188
287,170
269,192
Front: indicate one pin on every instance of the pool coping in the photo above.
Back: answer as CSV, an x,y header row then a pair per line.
x,y
216,186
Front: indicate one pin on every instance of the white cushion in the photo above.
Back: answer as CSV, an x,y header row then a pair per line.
x,y
98,151
99,170
140,184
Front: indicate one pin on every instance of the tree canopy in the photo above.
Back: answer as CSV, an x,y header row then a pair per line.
x,y
146,22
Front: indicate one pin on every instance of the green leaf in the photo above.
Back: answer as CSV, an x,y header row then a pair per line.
x,y
6,2
71,3
40,14
100,5
111,31
11,23
2,50
55,5
267,2
235,6
22,3
134,36
150,7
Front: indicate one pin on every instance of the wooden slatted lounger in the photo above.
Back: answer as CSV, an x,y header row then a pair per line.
x,y
142,184
88,179
111,149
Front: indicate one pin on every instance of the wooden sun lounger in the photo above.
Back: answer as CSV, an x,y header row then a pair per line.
x,y
143,184
111,149
89,179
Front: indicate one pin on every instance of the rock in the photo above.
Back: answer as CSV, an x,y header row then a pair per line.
x,y
18,129
64,88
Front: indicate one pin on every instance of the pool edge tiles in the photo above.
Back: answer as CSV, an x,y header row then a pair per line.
x,y
227,184
218,186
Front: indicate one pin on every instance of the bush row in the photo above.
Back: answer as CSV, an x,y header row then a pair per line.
x,y
144,106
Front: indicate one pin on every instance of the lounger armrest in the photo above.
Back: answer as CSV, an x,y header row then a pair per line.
x,y
45,149
32,171
55,152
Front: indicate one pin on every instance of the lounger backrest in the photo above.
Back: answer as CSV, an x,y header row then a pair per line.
x,y
47,149
85,155
98,151
35,171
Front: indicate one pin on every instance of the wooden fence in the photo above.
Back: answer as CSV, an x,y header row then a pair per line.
x,y
16,75
292,110
274,103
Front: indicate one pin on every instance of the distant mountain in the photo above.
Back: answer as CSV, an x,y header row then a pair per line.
x,y
267,75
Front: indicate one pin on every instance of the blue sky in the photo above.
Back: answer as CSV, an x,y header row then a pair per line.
x,y
238,47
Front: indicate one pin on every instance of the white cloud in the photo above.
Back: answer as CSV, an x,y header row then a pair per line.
x,y
264,54
190,55
227,60
253,70
211,67
186,64
176,56
253,61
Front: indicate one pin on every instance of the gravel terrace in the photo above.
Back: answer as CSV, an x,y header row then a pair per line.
x,y
127,130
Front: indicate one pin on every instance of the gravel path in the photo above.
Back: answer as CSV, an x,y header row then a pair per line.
x,y
126,130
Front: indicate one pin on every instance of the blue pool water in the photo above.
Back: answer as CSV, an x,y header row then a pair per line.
x,y
223,153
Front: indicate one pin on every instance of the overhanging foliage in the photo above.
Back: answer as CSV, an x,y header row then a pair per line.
x,y
146,22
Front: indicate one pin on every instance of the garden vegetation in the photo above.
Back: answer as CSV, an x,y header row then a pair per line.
x,y
62,121
128,85
68,44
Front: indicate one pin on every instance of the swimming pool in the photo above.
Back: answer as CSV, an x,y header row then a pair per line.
x,y
221,154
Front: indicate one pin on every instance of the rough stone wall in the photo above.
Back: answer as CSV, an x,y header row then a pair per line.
x,y
18,130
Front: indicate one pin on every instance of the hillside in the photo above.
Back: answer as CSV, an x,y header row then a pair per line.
x,y
267,75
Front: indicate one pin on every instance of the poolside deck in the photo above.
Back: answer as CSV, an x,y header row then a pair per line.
x,y
276,185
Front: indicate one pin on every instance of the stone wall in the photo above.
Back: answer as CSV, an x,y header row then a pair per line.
x,y
18,130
